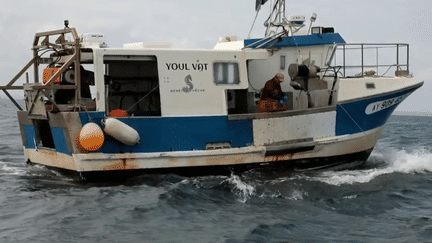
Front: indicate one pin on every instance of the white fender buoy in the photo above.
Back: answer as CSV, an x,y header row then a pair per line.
x,y
91,136
121,131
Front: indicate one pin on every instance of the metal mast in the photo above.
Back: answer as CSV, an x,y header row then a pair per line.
x,y
276,19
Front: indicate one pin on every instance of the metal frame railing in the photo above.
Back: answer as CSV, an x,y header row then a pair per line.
x,y
40,45
399,62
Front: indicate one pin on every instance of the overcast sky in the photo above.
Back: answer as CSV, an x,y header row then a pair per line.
x,y
199,24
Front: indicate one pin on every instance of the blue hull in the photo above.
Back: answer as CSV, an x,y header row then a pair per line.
x,y
352,116
166,134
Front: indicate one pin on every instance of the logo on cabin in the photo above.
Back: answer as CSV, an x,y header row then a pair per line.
x,y
189,86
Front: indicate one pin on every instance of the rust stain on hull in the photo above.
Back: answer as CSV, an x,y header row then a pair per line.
x,y
121,165
279,157
51,158
224,161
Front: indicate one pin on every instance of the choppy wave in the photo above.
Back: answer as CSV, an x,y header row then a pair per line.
x,y
389,193
417,161
10,169
240,188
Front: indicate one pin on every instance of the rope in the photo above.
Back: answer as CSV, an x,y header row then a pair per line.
x,y
364,133
253,25
145,96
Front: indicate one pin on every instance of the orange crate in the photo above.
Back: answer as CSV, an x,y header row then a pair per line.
x,y
48,73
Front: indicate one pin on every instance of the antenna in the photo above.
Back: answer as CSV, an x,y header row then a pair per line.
x,y
257,9
312,20
277,19
258,4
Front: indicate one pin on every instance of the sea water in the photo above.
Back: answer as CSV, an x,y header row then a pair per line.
x,y
388,199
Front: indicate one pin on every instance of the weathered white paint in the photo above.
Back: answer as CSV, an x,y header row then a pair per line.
x,y
355,88
273,130
50,157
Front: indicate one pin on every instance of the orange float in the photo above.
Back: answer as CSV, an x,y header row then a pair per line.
x,y
118,113
91,137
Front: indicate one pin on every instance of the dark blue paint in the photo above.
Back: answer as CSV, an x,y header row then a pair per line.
x,y
59,140
345,123
58,137
302,40
177,133
30,135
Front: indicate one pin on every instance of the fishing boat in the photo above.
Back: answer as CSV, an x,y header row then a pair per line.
x,y
148,107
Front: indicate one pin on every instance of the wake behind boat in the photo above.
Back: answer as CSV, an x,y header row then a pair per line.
x,y
299,98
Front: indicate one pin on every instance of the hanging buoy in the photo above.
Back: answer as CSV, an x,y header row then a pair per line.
x,y
91,136
121,131
118,113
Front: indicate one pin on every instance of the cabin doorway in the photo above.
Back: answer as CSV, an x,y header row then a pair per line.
x,y
132,84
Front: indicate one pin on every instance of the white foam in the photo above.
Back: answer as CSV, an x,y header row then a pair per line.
x,y
418,161
296,195
241,189
9,170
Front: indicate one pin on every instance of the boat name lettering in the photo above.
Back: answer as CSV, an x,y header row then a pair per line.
x,y
381,105
186,66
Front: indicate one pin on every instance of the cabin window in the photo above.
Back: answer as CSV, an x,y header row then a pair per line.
x,y
226,73
282,62
132,84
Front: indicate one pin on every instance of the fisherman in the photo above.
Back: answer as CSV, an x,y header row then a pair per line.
x,y
272,98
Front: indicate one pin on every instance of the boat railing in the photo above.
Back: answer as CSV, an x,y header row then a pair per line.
x,y
377,60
